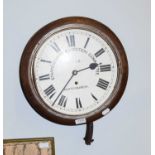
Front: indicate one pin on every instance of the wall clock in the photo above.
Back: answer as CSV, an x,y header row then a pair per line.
x,y
74,71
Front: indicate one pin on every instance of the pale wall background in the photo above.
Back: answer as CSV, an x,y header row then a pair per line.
x,y
126,130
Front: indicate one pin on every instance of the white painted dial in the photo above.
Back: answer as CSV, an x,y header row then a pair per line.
x,y
75,71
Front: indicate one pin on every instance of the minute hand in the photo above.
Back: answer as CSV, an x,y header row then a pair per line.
x,y
63,88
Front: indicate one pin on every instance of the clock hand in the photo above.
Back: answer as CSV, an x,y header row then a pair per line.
x,y
92,66
73,74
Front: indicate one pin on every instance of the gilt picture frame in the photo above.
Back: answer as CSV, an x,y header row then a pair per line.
x,y
29,146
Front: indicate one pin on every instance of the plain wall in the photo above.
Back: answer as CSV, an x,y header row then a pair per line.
x,y
126,129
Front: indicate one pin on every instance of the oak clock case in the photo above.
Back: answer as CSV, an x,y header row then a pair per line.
x,y
74,71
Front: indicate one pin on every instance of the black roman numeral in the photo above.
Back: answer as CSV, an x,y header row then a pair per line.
x,y
70,40
103,84
86,42
50,91
105,68
44,77
93,96
98,53
47,61
62,101
78,103
55,47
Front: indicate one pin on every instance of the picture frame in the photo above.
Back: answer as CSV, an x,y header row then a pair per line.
x,y
29,146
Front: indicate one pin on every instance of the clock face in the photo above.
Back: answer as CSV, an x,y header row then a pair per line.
x,y
75,71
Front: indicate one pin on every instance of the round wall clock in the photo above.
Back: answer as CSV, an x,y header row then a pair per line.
x,y
74,71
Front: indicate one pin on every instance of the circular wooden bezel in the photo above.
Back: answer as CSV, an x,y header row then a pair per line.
x,y
26,72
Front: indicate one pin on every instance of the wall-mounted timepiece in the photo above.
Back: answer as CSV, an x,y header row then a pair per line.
x,y
74,71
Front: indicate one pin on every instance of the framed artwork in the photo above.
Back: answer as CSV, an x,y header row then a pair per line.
x,y
29,146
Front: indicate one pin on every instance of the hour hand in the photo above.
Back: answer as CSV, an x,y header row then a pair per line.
x,y
92,66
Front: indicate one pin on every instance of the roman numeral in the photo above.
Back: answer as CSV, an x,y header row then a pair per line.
x,y
44,77
50,91
103,84
86,42
78,103
94,97
105,68
62,101
98,53
70,40
47,61
55,47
